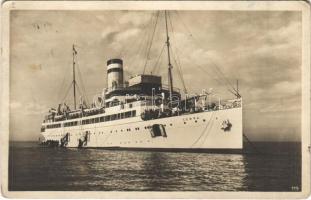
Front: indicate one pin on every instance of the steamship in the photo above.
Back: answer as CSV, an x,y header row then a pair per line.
x,y
143,113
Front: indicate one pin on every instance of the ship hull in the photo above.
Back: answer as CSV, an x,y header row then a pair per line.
x,y
219,130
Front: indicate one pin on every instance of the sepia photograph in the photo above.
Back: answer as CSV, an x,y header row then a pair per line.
x,y
156,97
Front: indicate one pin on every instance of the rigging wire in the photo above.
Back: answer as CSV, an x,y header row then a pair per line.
x,y
62,86
221,74
134,41
179,70
149,36
141,42
122,50
67,92
216,67
217,80
112,16
79,90
158,59
207,73
83,93
139,49
150,43
157,70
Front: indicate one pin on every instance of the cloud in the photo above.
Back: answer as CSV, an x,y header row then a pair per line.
x,y
30,108
276,107
36,109
125,35
134,18
288,87
280,90
109,32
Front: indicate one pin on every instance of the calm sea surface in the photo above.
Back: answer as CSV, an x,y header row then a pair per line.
x,y
34,168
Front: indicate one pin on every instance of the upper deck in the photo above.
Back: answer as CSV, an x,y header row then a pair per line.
x,y
145,110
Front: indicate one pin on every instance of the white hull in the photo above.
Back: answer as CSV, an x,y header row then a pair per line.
x,y
201,130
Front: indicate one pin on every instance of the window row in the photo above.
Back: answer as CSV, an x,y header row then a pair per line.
x,y
97,120
53,126
110,117
74,123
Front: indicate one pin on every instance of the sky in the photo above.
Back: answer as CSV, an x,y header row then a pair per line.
x,y
261,49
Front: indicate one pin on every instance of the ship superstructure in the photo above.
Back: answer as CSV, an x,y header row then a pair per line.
x,y
143,113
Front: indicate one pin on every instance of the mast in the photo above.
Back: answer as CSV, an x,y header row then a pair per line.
x,y
74,53
237,87
170,77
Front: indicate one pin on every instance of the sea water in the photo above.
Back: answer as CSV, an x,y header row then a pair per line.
x,y
266,166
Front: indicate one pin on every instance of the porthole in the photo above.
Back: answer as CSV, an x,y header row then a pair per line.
x,y
195,121
204,120
185,122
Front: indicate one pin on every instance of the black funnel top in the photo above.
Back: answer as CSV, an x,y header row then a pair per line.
x,y
115,60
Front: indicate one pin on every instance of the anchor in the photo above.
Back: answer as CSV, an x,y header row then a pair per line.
x,y
226,125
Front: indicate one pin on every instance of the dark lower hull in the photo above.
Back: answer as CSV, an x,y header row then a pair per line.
x,y
192,150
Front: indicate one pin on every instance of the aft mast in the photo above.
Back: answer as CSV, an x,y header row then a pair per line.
x,y
74,53
170,66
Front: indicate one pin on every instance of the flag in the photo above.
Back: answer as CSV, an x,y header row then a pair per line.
x,y
52,110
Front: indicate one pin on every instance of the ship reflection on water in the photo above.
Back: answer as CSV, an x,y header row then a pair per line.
x,y
56,169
